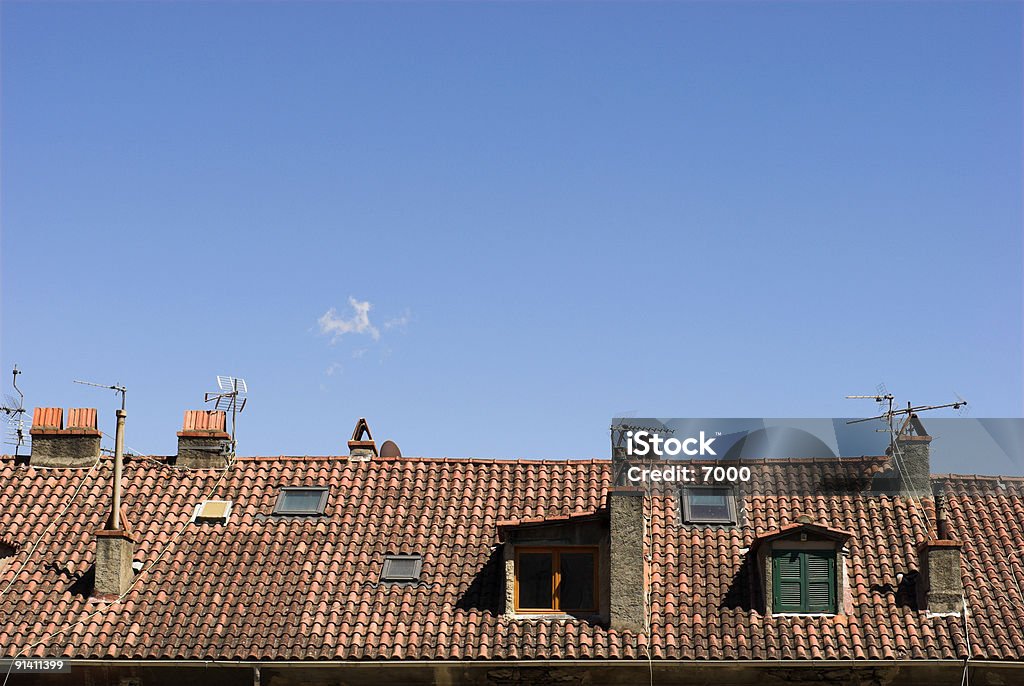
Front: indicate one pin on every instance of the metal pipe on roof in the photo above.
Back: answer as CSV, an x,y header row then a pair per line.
x,y
114,522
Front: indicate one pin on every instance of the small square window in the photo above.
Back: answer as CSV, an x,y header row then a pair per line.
x,y
401,568
301,501
709,506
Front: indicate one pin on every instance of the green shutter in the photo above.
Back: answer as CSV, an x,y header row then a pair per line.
x,y
804,581
821,581
787,579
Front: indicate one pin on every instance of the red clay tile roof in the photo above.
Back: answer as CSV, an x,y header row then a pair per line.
x,y
264,587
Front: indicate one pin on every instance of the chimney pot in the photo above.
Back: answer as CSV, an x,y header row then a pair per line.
x,y
362,445
54,445
911,475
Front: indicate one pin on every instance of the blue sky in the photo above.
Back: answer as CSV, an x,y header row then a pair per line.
x,y
557,213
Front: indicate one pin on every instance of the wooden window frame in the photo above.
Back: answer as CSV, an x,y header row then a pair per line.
x,y
833,582
556,578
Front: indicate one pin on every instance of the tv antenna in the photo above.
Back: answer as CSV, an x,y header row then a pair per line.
x,y
910,409
14,408
910,412
117,388
231,397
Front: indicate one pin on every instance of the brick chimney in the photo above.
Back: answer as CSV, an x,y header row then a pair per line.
x,y
910,472
114,552
628,573
203,442
54,445
940,586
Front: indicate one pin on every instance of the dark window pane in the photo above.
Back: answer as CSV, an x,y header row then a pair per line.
x,y
535,575
576,591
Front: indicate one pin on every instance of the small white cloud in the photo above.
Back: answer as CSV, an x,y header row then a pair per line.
x,y
359,352
358,323
399,322
333,368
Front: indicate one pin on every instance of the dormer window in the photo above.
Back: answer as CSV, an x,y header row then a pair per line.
x,y
802,568
708,505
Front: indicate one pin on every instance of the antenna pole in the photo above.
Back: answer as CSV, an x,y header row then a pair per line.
x,y
114,521
22,395
234,415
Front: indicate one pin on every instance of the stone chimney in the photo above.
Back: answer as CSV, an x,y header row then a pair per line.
x,y
362,445
114,552
628,573
54,445
940,585
203,442
910,471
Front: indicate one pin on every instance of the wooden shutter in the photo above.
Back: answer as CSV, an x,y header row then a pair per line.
x,y
804,581
787,578
820,580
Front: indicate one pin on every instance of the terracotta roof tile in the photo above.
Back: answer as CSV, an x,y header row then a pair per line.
x,y
82,418
277,588
48,418
204,420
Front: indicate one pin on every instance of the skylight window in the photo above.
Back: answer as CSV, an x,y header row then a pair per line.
x,y
301,501
212,511
709,506
401,568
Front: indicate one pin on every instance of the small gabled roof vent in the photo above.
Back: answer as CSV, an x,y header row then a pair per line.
x,y
361,446
212,511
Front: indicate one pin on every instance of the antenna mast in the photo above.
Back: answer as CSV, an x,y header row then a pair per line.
x,y
114,521
890,415
231,397
15,411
